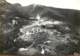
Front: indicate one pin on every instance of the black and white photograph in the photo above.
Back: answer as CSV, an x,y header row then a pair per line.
x,y
39,27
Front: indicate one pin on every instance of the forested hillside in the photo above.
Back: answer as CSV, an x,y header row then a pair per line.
x,y
3,6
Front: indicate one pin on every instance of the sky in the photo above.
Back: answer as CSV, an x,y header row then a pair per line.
x,y
71,4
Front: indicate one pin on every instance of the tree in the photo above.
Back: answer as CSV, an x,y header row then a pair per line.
x,y
3,6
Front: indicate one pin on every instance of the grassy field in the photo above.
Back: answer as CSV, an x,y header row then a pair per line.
x,y
8,55
75,54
